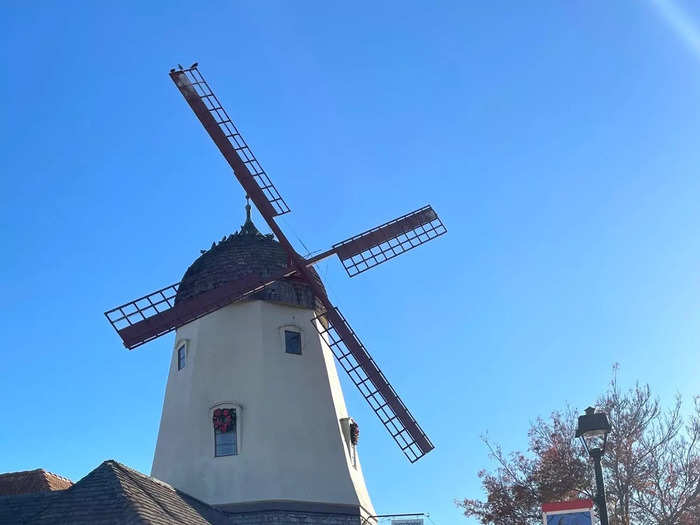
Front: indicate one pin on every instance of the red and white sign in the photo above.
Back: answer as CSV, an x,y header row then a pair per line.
x,y
575,512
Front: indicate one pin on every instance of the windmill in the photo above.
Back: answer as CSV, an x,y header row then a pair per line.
x,y
160,312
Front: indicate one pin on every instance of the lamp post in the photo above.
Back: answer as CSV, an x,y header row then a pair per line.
x,y
593,429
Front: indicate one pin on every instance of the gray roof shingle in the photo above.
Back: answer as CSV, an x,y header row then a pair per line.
x,y
30,481
20,508
112,493
237,256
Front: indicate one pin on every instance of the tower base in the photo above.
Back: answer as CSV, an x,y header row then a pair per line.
x,y
298,512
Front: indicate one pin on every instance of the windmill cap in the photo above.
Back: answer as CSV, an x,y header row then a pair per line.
x,y
240,254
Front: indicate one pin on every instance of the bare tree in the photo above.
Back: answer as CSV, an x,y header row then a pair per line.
x,y
651,465
670,492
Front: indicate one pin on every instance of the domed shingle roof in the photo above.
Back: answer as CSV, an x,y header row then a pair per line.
x,y
241,253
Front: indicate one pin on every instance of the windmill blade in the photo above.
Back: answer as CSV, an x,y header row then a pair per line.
x,y
228,139
378,245
157,313
369,379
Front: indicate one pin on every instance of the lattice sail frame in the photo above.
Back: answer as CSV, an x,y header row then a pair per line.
x,y
157,313
147,318
376,246
192,84
128,314
380,395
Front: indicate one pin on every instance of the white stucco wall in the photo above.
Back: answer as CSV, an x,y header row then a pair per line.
x,y
290,445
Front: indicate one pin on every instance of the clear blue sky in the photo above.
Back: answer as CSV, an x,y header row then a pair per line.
x,y
558,141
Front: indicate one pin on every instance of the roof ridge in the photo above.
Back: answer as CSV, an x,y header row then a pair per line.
x,y
135,503
76,488
151,478
46,474
42,470
20,472
113,491
139,477
32,481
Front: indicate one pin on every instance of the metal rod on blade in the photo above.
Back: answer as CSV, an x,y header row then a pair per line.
x,y
318,258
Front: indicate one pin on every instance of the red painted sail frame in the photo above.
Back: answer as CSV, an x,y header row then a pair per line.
x,y
357,254
378,245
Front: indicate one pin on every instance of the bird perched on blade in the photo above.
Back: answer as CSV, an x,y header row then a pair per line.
x,y
194,65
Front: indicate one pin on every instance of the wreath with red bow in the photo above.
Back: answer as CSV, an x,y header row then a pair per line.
x,y
223,419
354,433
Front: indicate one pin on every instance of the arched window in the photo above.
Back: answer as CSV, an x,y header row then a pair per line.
x,y
225,420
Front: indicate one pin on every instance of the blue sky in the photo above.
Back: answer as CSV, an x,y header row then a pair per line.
x,y
557,140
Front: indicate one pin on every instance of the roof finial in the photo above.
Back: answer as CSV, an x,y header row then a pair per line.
x,y
248,227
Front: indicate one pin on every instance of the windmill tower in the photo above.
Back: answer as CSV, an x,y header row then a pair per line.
x,y
254,418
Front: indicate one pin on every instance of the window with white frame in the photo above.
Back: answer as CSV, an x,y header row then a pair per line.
x,y
225,420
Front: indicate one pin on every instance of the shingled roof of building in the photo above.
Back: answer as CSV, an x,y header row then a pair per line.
x,y
112,493
31,481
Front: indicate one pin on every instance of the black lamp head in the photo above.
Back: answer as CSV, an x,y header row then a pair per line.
x,y
592,425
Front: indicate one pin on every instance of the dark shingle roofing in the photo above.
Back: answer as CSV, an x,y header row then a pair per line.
x,y
112,493
20,508
235,257
30,481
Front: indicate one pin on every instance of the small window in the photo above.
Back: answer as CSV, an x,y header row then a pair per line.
x,y
181,357
225,442
292,342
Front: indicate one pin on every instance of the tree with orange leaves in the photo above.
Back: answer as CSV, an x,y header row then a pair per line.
x,y
651,465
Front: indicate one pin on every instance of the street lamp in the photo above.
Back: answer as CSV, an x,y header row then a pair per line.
x,y
593,429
